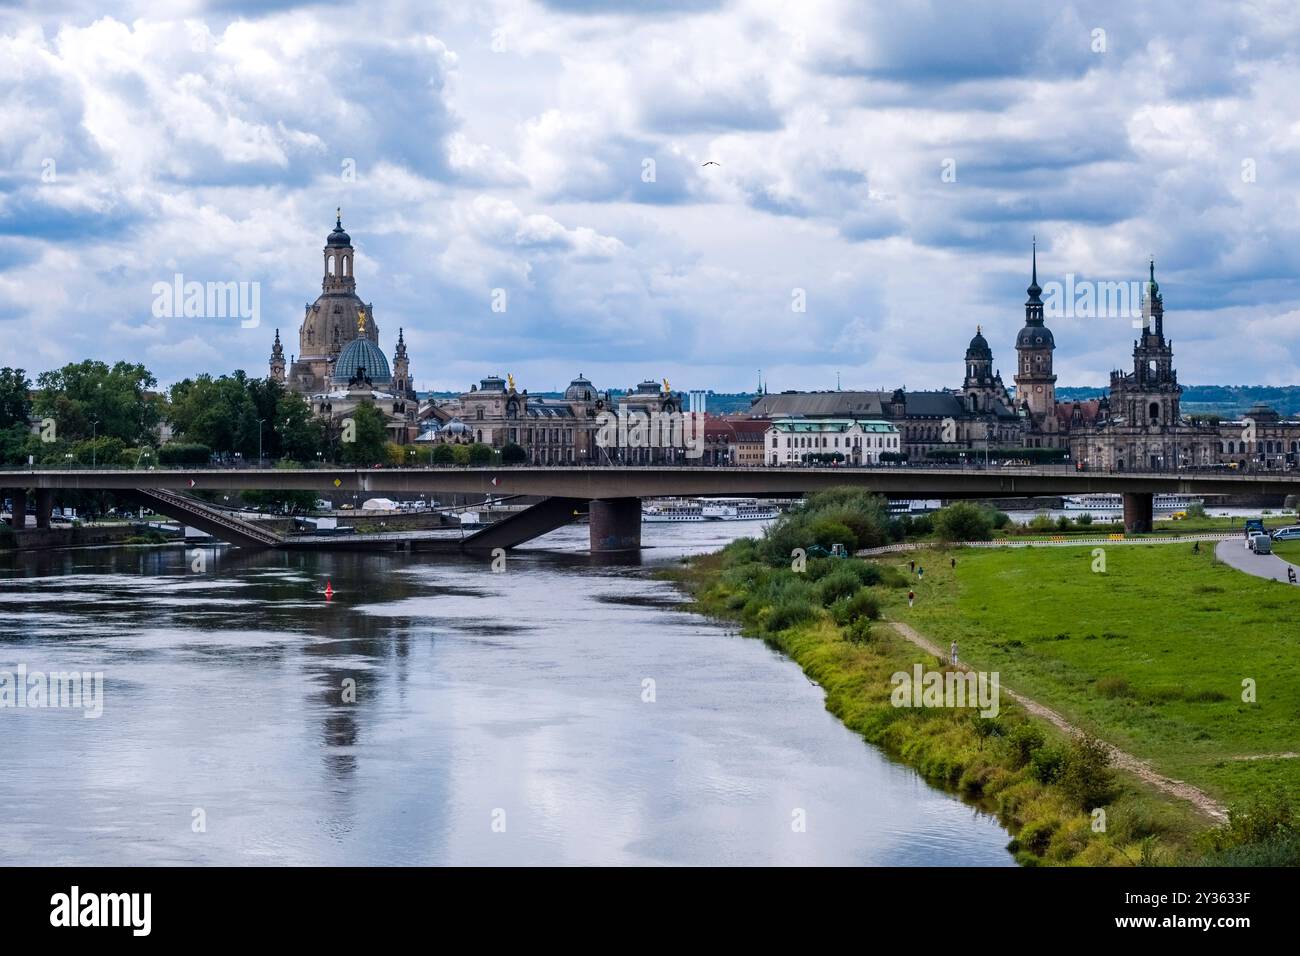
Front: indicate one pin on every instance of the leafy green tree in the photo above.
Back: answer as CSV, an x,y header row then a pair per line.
x,y
480,454
299,433
217,412
513,454
15,398
369,446
91,399
963,521
443,455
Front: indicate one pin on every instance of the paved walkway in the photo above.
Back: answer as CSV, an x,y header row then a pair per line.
x,y
1235,554
1119,758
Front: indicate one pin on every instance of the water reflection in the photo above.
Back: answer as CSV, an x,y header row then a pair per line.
x,y
433,712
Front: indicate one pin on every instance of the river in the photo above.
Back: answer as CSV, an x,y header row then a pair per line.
x,y
496,718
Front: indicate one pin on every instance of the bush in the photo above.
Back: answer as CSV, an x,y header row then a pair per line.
x,y
1086,777
1063,523
1025,740
860,606
480,454
787,612
1001,519
1041,522
1084,520
840,583
1047,764
513,454
443,455
1265,816
859,632
963,521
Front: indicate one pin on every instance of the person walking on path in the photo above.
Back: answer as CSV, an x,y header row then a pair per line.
x,y
952,654
911,598
920,572
954,563
911,566
1290,575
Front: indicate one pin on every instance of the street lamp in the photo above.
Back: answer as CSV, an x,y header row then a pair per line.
x,y
94,432
259,441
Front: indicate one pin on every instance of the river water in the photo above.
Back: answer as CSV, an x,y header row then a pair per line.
x,y
498,718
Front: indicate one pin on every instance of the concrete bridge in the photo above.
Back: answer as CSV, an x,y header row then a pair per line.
x,y
613,494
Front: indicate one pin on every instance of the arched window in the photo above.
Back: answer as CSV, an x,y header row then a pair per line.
x,y
1154,411
329,266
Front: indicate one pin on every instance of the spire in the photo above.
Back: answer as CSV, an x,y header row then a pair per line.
x,y
1034,290
338,217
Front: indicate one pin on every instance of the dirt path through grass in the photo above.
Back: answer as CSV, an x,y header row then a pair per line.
x,y
1121,759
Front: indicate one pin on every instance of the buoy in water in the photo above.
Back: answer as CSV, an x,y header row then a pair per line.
x,y
329,590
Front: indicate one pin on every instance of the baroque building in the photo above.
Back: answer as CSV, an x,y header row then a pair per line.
x,y
1035,380
331,325
340,363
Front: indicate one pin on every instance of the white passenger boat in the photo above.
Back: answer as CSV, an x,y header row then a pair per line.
x,y
672,511
1114,504
737,509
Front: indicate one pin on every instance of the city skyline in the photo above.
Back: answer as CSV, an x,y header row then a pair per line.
x,y
886,173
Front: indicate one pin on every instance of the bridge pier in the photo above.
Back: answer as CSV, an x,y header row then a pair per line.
x,y
44,507
615,524
1138,511
19,498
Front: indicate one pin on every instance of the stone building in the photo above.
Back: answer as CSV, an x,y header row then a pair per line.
x,y
551,431
1139,426
796,441
340,363
1035,380
334,321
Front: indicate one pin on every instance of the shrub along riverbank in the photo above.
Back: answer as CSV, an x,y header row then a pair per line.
x,y
1058,796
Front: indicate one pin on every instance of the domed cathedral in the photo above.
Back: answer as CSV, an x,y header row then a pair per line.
x,y
338,340
1035,381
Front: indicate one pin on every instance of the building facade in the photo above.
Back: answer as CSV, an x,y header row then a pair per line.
x,y
339,364
798,441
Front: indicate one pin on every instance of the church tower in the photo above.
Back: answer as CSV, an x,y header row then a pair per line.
x,y
1035,381
402,368
333,321
982,389
277,360
1150,397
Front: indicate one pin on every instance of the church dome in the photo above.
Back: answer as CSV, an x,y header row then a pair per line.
x,y
338,237
1035,337
366,355
979,347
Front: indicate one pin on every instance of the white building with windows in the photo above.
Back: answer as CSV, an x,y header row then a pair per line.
x,y
798,441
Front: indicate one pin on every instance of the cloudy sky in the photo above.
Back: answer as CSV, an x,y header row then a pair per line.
x,y
885,162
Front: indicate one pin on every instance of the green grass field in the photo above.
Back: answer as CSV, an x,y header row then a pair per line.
x,y
1150,654
1288,550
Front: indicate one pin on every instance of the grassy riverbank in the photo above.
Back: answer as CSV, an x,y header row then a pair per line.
x,y
1152,651
1141,675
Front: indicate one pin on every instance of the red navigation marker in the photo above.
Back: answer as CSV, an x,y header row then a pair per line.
x,y
191,482
329,590
495,482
